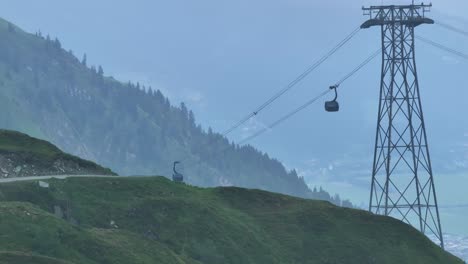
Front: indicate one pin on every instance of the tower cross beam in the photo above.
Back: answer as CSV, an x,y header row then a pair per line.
x,y
410,15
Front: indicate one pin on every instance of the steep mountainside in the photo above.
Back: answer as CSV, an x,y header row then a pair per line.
x,y
153,220
22,155
48,93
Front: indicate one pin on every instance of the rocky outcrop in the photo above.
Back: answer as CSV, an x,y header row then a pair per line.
x,y
14,165
22,155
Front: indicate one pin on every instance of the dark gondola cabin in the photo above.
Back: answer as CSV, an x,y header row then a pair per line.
x,y
332,106
177,177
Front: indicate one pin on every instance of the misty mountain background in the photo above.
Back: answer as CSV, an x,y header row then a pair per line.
x,y
224,58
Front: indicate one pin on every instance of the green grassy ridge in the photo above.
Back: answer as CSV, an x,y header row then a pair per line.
x,y
37,151
13,141
157,219
20,257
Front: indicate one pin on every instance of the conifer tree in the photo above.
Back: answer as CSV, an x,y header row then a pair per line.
x,y
57,43
100,71
84,60
191,118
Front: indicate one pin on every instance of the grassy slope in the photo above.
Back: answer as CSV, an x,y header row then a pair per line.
x,y
162,222
36,150
19,257
12,141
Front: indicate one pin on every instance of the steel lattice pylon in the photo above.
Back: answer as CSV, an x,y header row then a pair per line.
x,y
402,179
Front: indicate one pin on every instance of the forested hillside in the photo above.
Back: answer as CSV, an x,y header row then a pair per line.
x,y
49,93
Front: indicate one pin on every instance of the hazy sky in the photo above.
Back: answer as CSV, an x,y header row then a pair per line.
x,y
224,58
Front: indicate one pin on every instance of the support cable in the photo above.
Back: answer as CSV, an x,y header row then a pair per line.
x,y
442,47
290,85
284,118
455,206
452,28
305,105
313,100
364,63
293,83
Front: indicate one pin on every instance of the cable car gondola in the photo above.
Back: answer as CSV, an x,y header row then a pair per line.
x,y
177,177
333,106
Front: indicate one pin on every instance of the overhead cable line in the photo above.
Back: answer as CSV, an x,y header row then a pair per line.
x,y
442,47
310,102
364,63
274,124
284,118
464,206
292,84
452,28
302,107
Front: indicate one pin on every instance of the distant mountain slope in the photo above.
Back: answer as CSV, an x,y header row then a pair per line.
x,y
153,220
48,93
22,155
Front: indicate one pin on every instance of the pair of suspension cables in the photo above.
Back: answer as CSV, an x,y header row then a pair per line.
x,y
443,47
290,86
312,68
346,77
